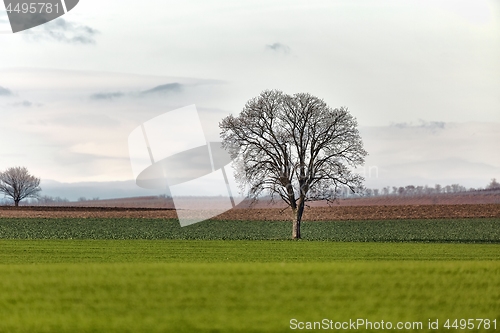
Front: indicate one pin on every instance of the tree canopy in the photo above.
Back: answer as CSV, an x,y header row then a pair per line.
x,y
295,147
18,184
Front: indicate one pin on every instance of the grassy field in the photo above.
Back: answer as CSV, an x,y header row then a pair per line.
x,y
240,286
151,275
472,230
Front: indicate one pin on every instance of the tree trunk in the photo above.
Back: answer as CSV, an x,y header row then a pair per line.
x,y
16,203
296,229
298,220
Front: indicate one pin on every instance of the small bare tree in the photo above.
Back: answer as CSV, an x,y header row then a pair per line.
x,y
18,184
295,147
493,185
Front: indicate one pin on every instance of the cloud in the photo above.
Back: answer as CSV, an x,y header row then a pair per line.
x,y
278,47
5,91
164,88
56,135
422,124
107,96
63,31
22,103
25,104
161,89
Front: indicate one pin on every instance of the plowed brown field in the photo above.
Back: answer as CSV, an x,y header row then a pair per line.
x,y
369,212
383,212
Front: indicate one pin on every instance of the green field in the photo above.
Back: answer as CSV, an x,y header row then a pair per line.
x,y
480,230
197,285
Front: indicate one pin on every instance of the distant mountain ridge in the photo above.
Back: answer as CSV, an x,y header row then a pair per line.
x,y
94,190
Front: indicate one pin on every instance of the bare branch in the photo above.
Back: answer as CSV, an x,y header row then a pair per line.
x,y
18,184
295,147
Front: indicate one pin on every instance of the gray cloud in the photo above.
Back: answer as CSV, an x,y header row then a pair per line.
x,y
422,124
63,31
164,88
22,103
161,89
25,104
107,96
5,91
278,47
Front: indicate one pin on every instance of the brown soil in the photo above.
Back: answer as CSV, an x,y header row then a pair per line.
x,y
85,212
369,212
336,212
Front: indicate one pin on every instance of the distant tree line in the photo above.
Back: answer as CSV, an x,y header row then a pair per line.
x,y
412,190
47,200
42,200
83,199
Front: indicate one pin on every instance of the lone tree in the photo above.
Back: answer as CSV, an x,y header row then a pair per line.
x,y
18,184
493,185
294,147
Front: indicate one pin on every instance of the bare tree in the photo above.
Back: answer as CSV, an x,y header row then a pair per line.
x,y
401,191
438,188
48,200
410,190
493,185
294,147
386,191
18,184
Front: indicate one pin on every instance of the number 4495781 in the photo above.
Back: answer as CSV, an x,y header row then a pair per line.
x,y
471,324
33,8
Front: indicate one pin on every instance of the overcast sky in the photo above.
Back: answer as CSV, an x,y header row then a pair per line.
x,y
422,78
